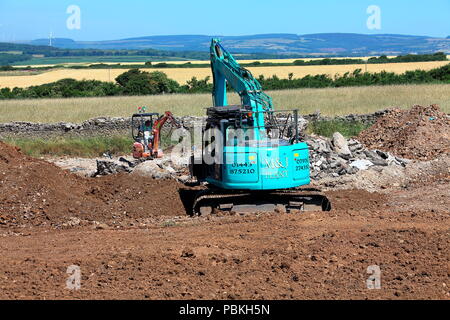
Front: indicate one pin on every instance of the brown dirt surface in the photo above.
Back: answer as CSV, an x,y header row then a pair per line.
x,y
38,192
420,133
315,255
310,255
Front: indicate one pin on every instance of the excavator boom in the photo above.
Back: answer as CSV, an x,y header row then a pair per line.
x,y
157,127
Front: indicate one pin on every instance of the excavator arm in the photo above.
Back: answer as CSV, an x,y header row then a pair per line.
x,y
226,69
157,126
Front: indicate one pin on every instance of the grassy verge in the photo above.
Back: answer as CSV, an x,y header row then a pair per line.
x,y
327,128
329,101
88,147
75,147
19,73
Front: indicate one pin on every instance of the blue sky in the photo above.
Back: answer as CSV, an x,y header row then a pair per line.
x,y
112,19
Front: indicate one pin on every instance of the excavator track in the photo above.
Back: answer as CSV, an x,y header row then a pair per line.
x,y
284,201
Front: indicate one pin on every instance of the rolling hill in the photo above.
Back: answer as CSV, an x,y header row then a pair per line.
x,y
345,44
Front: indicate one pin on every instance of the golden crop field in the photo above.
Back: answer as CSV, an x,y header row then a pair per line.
x,y
198,61
181,75
264,60
204,61
329,101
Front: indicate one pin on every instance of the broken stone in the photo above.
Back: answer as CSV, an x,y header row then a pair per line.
x,y
109,167
340,145
361,164
378,162
183,178
372,155
323,147
170,169
151,169
382,154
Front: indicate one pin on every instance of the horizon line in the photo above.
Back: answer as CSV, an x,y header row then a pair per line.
x,y
246,35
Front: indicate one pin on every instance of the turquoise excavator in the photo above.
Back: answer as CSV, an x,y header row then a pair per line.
x,y
252,158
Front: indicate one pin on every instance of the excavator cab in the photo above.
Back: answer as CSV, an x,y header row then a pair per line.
x,y
245,157
142,133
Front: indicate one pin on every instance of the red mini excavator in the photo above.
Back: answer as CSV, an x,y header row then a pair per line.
x,y
147,133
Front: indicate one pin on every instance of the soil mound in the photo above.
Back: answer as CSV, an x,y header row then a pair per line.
x,y
420,133
36,191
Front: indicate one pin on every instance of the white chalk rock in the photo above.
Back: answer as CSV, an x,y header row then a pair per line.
x,y
151,169
361,164
340,144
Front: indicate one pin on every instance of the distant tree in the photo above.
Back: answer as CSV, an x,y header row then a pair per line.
x,y
299,62
137,82
197,86
6,68
161,65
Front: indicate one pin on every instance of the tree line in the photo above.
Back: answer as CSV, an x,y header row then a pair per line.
x,y
137,82
23,52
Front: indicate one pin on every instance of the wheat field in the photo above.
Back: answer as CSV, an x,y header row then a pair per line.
x,y
290,60
181,75
329,101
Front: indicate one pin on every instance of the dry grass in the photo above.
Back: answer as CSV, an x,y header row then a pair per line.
x,y
183,74
19,73
330,101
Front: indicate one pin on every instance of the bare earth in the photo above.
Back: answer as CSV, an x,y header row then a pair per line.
x,y
132,239
303,256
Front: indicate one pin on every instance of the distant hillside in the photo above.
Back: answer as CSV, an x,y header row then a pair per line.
x,y
27,54
13,53
348,44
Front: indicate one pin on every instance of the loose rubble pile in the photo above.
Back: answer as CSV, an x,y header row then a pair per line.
x,y
161,169
398,136
338,156
381,179
329,158
105,168
421,133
